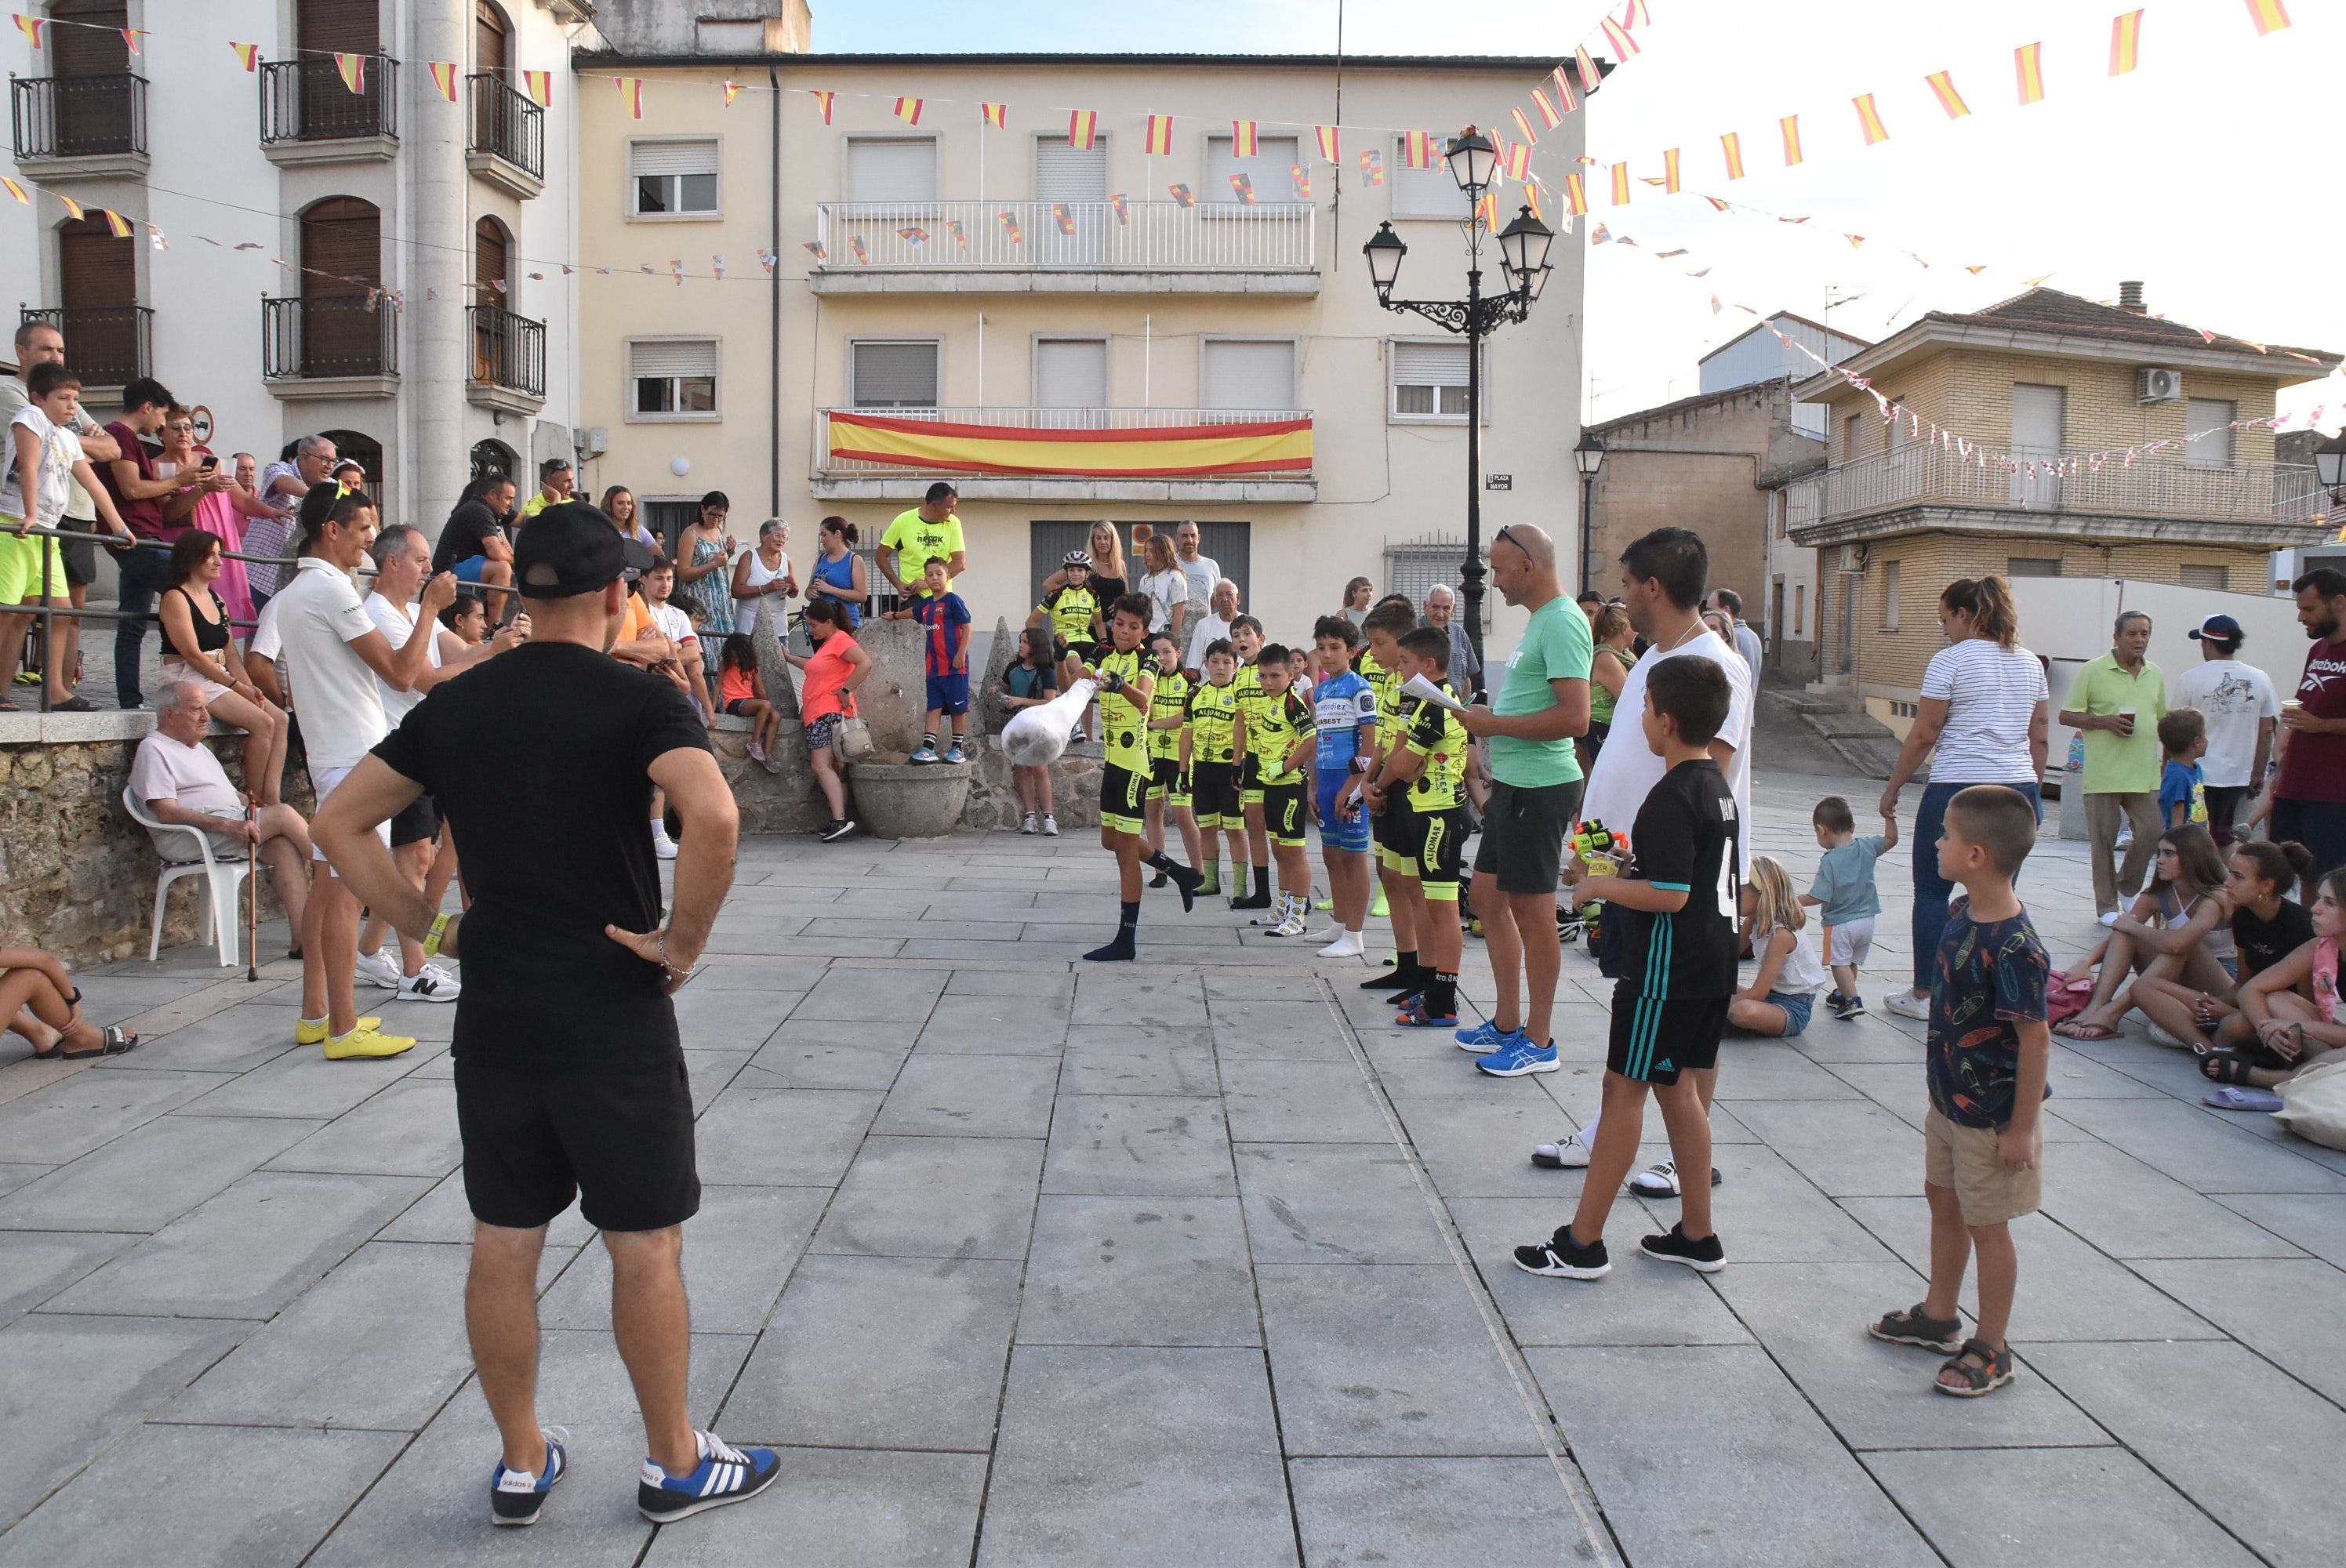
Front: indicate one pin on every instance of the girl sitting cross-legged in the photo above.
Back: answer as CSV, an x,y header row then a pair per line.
x,y
2178,928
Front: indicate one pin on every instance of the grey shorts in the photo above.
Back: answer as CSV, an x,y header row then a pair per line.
x,y
1523,831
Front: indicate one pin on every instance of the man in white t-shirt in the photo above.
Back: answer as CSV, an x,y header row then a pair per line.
x,y
333,654
1212,626
1203,570
2243,714
184,784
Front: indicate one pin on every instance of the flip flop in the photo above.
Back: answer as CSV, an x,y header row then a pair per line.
x,y
2231,1099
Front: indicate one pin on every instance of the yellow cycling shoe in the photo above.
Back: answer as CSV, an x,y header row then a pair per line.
x,y
366,1041
314,1030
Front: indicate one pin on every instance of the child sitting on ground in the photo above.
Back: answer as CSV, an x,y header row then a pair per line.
x,y
2177,929
2182,788
742,692
1988,1054
1844,888
2295,1019
1031,680
1781,996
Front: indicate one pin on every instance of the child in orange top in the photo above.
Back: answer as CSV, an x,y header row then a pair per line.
x,y
742,692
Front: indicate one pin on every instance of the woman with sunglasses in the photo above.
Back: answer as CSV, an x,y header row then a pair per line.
x,y
217,505
840,574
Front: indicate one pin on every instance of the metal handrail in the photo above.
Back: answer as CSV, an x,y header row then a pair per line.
x,y
508,349
1921,472
507,124
96,333
1109,236
307,100
78,116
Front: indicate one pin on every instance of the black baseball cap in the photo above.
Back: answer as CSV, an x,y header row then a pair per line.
x,y
2216,628
573,549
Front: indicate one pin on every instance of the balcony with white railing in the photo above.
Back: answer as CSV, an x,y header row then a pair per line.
x,y
1928,487
1041,453
1111,246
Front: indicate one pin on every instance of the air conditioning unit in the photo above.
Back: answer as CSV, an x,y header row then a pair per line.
x,y
2157,386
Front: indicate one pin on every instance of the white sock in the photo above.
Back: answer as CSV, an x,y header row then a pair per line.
x,y
1588,1133
1345,946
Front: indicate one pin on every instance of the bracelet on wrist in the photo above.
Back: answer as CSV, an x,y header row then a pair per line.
x,y
433,938
684,972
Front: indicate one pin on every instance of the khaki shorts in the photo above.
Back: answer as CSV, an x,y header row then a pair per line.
x,y
1963,1158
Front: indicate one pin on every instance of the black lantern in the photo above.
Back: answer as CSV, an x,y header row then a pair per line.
x,y
1384,251
1522,247
1588,457
2330,463
1472,160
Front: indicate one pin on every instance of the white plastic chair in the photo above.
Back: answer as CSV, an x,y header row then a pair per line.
x,y
223,879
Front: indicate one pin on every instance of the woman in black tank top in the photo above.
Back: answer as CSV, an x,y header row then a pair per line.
x,y
198,649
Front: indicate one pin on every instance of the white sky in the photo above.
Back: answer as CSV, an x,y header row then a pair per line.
x,y
2208,173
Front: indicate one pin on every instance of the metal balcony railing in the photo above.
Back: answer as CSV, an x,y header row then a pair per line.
x,y
1920,475
1028,236
508,350
308,100
1070,418
328,335
78,116
506,123
106,345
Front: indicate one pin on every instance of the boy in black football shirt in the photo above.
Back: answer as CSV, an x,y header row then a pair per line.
x,y
1669,1007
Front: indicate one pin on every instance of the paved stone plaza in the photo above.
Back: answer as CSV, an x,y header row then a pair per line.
x,y
1193,1262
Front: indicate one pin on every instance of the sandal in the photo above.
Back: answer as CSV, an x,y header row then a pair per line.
x,y
1914,1326
2224,1067
112,1040
1983,1370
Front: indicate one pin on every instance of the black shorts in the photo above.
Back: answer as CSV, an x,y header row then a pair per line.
x,y
1169,781
1285,816
1396,829
1085,652
80,553
1124,799
418,822
1524,831
1251,780
1214,796
620,1143
1433,855
1654,1041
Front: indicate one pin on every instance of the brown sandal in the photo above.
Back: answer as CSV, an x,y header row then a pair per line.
x,y
1983,1370
1917,1327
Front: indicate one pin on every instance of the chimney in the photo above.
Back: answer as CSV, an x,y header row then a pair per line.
x,y
2130,297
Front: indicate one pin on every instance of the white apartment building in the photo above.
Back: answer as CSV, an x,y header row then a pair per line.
x,y
384,265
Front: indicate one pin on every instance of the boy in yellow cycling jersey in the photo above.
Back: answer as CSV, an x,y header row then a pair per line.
x,y
1213,782
1277,737
1386,625
1428,769
1168,756
1245,640
1126,688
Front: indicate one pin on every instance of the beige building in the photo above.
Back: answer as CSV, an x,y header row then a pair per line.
x,y
2054,390
981,291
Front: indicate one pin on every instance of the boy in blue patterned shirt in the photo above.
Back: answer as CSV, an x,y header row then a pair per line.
x,y
946,620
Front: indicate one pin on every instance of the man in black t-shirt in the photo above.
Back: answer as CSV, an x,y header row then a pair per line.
x,y
476,543
569,1078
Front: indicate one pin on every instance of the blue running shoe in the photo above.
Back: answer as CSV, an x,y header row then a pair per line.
x,y
516,1495
1415,1016
725,1474
1517,1057
925,753
1483,1038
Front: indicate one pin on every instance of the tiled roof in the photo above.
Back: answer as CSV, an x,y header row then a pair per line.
x,y
2051,310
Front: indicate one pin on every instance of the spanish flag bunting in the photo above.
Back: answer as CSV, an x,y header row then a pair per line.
x,y
1619,36
1732,145
822,102
2036,282
676,270
634,87
1620,184
915,237
1010,226
1656,180
1791,125
2028,68
1182,195
29,26
129,38
1372,168
444,78
909,110
155,238
1517,161
1242,188
864,257
1158,141
1123,211
248,55
1253,446
1869,119
1982,268
1716,205
1566,100
539,86
1302,178
117,222
1584,158
2270,15
1242,138
717,264
354,71
1599,235
730,88
1331,143
16,190
1532,199
1943,84
1856,241
1486,211
1575,194
995,115
1083,125
2126,43
1670,170
1062,217
1548,117
1637,16
1589,74
1523,126
961,234
1791,220
70,206
1715,306
814,249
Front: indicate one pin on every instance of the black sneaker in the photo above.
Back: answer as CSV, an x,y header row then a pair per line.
x,y
1706,1256
1562,1257
1160,880
838,831
1852,1007
516,1496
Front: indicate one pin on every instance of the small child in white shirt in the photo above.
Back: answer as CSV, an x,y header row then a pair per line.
x,y
45,460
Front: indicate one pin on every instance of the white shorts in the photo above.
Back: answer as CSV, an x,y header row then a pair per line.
x,y
326,780
1852,942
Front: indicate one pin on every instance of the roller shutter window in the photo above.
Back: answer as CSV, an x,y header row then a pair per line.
x,y
1236,373
1071,373
1065,172
2207,422
893,170
93,49
1429,382
1267,171
674,376
893,375
673,178
97,271
492,42
491,267
347,26
1423,192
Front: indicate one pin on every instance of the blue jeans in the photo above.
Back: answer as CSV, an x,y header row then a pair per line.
x,y
1932,891
144,571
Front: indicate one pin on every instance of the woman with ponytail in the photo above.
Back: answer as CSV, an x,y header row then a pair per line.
x,y
1984,707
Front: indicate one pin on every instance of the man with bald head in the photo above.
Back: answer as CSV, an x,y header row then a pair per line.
x,y
1535,783
1441,615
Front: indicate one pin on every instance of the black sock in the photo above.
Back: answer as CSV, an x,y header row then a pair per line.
x,y
1159,860
1261,878
928,740
1402,976
1121,948
1441,995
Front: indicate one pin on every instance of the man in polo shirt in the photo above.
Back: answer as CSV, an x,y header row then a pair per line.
x,y
929,532
2116,702
138,495
555,480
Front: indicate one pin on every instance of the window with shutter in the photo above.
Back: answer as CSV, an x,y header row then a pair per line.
x,y
1423,192
1429,382
347,26
1071,372
97,270
1065,172
897,169
673,378
1268,172
95,49
673,179
342,247
2208,422
492,41
1246,374
893,375
2206,577
2031,566
491,248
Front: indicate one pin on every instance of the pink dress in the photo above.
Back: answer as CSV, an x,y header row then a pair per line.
x,y
216,514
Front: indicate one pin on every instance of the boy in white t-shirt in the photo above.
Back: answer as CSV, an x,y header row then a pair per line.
x,y
45,460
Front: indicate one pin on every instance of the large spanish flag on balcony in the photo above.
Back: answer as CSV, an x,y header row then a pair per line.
x,y
1266,446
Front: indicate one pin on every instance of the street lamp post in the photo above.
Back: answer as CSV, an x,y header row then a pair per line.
x,y
1523,261
1588,457
2330,465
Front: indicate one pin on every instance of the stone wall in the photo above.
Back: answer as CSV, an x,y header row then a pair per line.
x,y
993,805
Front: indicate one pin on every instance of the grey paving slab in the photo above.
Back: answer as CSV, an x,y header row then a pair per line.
x,y
708,1016
738,1252
861,1508
971,1096
781,1138
1078,1482
1301,1030
1141,1143
771,974
708,1073
1752,1069
1278,1100
408,1129
1681,1444
1433,1512
1387,1359
248,1250
2265,1303
378,1343
65,1120
151,1175
2200,1150
1135,1271
231,1041
432,1506
37,1265
881,1353
2316,1222
826,1056
2060,1508
1769,1212
1335,1203
2129,1210
442,1214
268,1498
70,1386
1483,1148
906,997
936,1197
1849,1148
1639,1303
991,982
1010,1025
1136,1059
1172,1000
2246,1439
1869,1039
14,1175
302,1084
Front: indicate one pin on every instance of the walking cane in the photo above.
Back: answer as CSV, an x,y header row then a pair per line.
x,y
252,891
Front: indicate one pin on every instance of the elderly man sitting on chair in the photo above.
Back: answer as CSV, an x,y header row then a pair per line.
x,y
184,785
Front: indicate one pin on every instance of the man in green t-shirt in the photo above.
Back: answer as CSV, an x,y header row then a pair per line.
x,y
1536,784
2115,703
929,532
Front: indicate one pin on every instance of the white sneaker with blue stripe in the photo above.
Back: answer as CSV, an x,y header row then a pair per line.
x,y
1486,1037
725,1474
516,1495
1517,1057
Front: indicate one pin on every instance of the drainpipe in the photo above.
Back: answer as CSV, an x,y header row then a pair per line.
x,y
774,310
434,374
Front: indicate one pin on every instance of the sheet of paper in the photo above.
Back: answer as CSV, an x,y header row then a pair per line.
x,y
1417,685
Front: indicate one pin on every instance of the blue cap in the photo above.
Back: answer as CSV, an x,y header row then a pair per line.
x,y
2217,628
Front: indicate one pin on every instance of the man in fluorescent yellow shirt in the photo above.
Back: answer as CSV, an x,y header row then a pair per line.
x,y
2115,703
555,480
929,532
